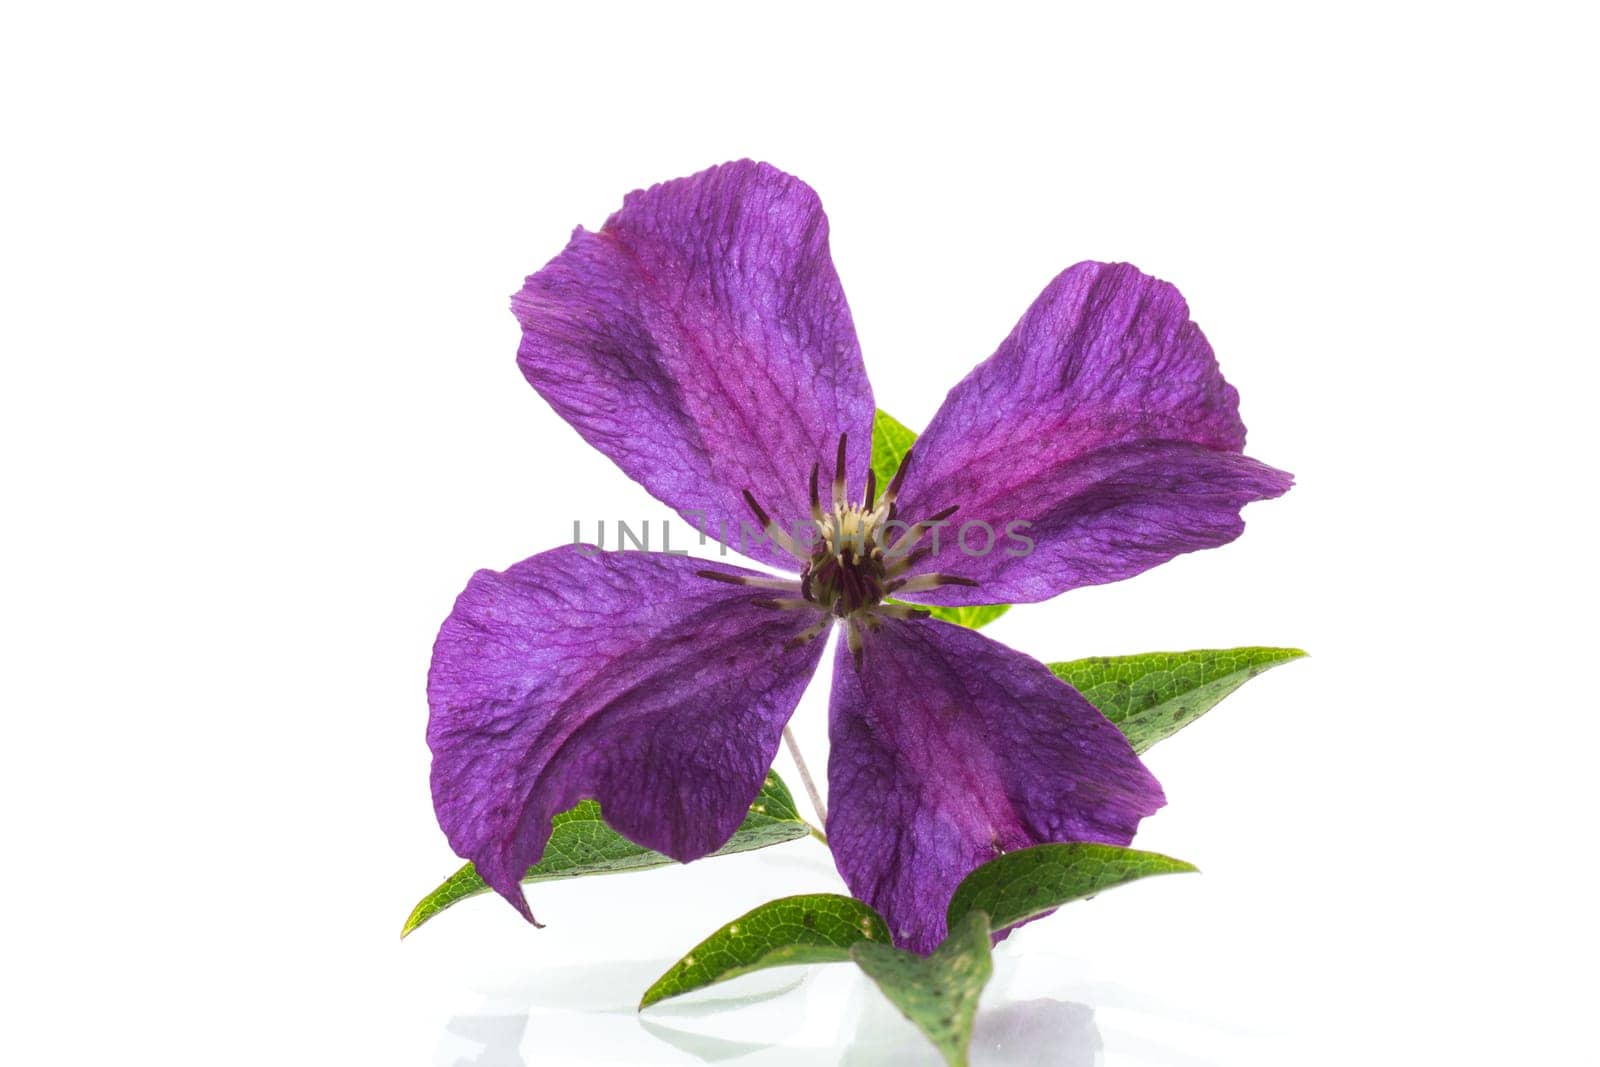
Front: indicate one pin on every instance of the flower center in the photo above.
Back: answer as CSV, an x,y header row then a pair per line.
x,y
856,555
847,571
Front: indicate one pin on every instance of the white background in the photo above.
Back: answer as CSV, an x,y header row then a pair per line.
x,y
261,421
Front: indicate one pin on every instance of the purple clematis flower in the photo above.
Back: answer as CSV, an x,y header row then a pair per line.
x,y
702,341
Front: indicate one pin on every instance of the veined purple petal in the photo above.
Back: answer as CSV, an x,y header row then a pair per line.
x,y
949,749
1103,427
702,341
625,677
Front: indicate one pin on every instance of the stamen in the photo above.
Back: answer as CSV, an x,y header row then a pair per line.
x,y
905,563
838,477
816,501
872,488
785,604
899,478
901,611
808,635
760,514
913,535
853,636
752,580
923,582
773,531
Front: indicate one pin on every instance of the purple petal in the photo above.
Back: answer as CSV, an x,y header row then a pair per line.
x,y
1104,425
948,749
625,677
702,341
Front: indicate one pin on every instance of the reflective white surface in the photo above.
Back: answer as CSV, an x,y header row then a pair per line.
x,y
1041,1007
1139,976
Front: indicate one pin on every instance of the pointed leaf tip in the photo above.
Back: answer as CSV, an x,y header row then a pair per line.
x,y
938,994
1151,696
1029,882
811,928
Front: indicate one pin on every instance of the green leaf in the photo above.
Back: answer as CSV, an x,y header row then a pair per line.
x,y
891,440
580,844
1031,881
938,994
814,928
1152,696
974,617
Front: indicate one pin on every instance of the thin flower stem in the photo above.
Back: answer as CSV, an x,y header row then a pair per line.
x,y
818,834
805,779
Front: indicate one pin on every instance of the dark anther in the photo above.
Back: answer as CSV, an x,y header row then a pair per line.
x,y
899,475
761,516
916,557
